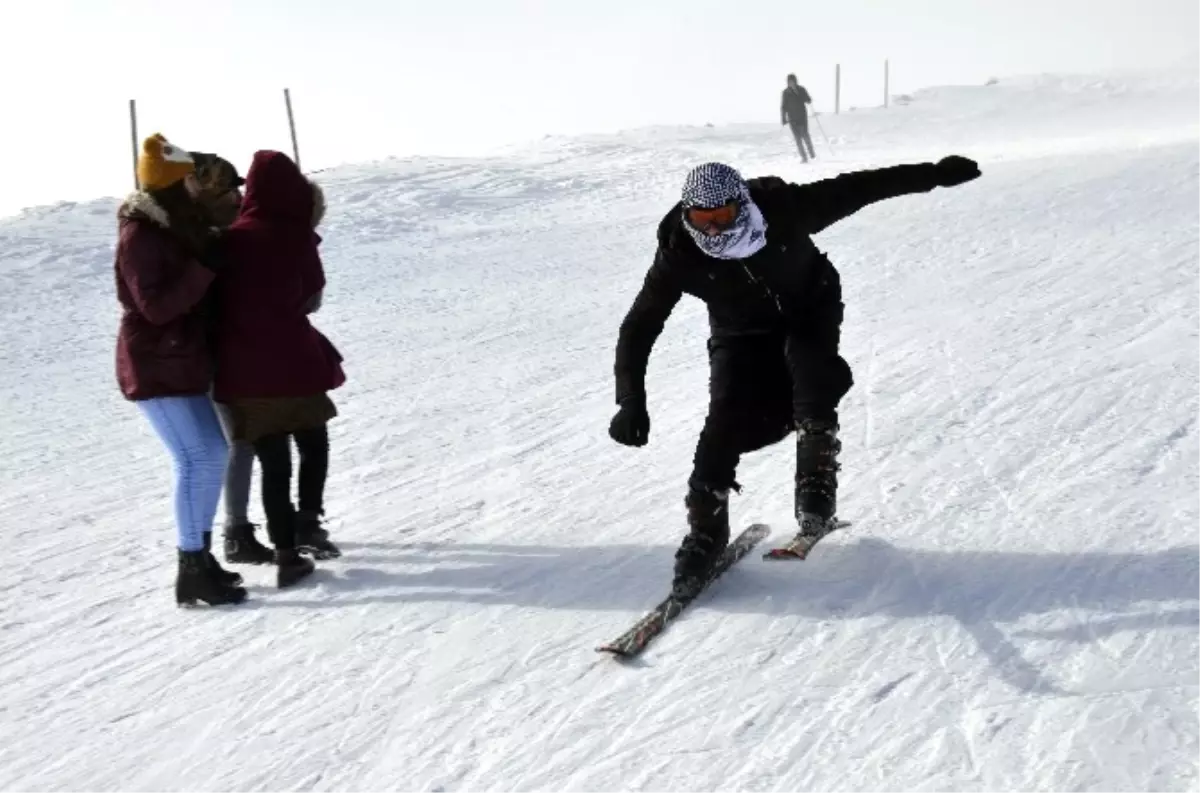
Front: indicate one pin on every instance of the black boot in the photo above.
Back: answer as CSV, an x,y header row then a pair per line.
x,y
817,448
196,580
242,547
226,577
312,538
292,566
708,535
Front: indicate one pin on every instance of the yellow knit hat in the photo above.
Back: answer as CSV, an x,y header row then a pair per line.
x,y
162,163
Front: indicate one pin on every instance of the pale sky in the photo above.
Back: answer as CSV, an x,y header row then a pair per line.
x,y
373,78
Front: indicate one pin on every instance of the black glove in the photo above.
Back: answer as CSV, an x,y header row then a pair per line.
x,y
954,170
210,254
631,425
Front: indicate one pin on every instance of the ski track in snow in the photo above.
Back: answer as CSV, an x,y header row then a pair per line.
x,y
1015,606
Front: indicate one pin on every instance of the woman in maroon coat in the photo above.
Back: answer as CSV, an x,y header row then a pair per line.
x,y
273,368
164,269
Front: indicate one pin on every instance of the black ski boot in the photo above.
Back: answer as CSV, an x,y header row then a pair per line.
x,y
197,580
226,577
242,547
312,538
708,535
817,448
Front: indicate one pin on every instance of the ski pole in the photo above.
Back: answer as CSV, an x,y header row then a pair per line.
x,y
817,119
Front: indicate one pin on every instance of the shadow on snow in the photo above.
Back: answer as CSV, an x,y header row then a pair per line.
x,y
846,578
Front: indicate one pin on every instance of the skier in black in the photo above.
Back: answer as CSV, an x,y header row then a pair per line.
x,y
793,109
775,314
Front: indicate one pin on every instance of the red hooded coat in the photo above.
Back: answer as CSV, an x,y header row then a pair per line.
x,y
162,350
272,279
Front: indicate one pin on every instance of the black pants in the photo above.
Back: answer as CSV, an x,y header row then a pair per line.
x,y
800,132
274,454
761,386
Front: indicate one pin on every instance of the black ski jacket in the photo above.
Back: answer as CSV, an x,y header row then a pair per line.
x,y
793,106
776,289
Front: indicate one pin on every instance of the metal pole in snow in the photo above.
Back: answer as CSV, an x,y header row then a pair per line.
x,y
837,89
134,138
287,99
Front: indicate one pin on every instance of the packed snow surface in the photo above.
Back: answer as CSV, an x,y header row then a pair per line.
x,y
1015,606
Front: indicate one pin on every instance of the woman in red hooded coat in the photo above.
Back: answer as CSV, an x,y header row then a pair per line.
x,y
273,368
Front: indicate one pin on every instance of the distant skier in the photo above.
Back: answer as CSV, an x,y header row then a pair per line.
x,y
794,111
775,313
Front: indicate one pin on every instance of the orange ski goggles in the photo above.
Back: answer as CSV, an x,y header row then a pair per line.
x,y
717,219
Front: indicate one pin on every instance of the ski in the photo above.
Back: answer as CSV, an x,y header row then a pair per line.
x,y
801,545
633,641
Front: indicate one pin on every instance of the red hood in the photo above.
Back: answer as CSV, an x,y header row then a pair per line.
x,y
276,189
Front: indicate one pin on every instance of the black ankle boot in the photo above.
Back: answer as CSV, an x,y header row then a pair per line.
x,y
226,577
196,580
292,567
242,547
708,535
312,538
817,448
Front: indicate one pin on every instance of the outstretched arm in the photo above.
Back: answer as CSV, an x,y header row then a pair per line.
x,y
642,326
826,202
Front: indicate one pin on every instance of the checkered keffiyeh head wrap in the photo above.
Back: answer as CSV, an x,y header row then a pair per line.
x,y
716,184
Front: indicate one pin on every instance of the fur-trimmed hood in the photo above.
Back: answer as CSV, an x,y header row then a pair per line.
x,y
277,190
318,203
191,224
140,204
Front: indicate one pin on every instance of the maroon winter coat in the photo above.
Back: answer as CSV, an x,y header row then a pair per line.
x,y
273,278
162,349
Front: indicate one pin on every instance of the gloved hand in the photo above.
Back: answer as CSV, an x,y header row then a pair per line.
x,y
210,254
631,425
955,170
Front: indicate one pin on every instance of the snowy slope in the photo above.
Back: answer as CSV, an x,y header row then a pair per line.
x,y
1016,606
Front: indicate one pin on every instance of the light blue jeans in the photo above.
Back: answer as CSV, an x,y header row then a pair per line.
x,y
189,428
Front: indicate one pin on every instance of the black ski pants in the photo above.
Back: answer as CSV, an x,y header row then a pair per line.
x,y
800,133
274,454
761,386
